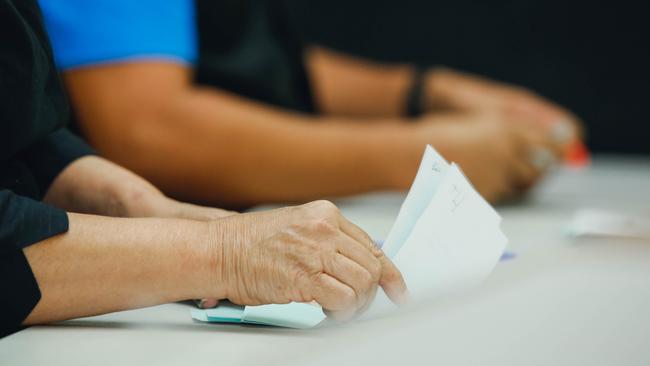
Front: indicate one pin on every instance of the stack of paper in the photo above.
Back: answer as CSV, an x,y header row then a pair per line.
x,y
446,238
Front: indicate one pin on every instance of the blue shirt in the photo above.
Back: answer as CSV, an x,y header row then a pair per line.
x,y
247,47
90,32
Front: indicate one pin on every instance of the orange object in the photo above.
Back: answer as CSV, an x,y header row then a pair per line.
x,y
577,155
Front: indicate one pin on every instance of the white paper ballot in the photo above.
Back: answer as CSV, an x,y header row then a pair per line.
x,y
446,238
455,243
450,238
431,171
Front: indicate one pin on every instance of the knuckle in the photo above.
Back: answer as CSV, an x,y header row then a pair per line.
x,y
322,226
375,271
326,207
392,275
369,242
368,280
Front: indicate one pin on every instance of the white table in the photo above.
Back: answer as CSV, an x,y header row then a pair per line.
x,y
560,302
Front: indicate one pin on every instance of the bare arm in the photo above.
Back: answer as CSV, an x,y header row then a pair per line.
x,y
349,85
209,146
346,85
104,264
93,185
205,145
107,264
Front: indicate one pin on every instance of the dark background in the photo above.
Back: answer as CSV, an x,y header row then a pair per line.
x,y
592,57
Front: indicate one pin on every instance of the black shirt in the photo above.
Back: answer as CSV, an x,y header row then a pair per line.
x,y
249,47
34,149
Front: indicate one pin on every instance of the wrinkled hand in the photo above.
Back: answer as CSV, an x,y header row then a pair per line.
x,y
497,155
303,254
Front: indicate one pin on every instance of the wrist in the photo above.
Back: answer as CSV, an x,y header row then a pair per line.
x,y
218,258
416,95
435,85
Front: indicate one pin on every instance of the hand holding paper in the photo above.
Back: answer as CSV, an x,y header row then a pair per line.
x,y
446,238
301,254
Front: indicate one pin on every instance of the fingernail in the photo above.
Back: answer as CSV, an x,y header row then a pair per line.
x,y
541,158
405,298
562,132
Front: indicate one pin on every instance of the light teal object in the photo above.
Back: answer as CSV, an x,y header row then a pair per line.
x,y
226,313
293,315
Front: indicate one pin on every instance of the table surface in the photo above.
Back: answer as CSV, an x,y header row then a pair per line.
x,y
561,301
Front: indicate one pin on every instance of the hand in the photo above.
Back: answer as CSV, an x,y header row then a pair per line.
x,y
303,254
497,155
451,90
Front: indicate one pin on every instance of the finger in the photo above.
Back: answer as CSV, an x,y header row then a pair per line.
x,y
391,279
567,134
355,276
371,299
525,175
537,139
337,299
206,303
360,254
541,110
392,282
555,138
362,238
352,273
540,158
529,163
356,233
562,132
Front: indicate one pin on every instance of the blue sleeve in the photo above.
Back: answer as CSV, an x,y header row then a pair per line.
x,y
88,32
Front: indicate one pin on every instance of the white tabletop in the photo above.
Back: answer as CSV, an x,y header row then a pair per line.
x,y
559,302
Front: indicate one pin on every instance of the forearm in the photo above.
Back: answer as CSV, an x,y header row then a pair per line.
x,y
105,264
345,85
96,186
212,147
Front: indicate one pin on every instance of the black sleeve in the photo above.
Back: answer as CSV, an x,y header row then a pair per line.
x,y
53,154
23,222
